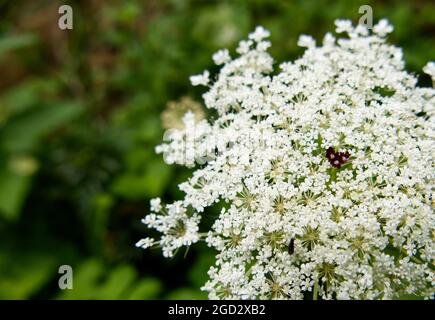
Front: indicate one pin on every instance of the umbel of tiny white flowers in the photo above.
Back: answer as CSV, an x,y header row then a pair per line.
x,y
325,169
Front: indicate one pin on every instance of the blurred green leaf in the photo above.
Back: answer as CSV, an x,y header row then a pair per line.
x,y
187,294
16,41
85,281
24,96
94,280
198,273
146,289
150,183
23,133
24,273
117,282
13,190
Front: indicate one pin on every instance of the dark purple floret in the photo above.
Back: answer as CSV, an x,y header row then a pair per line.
x,y
337,159
330,154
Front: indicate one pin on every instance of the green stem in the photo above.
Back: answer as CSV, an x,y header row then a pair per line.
x,y
416,260
316,289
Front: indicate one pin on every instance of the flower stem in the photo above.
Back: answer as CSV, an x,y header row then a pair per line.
x,y
316,289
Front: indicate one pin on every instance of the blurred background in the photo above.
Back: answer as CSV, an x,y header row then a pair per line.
x,y
80,114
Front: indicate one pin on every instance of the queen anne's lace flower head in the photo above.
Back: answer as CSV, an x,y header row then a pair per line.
x,y
324,168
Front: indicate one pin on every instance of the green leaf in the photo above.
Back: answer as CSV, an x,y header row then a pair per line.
x,y
187,294
198,273
117,283
384,91
151,183
146,289
103,202
157,177
85,281
22,274
94,280
13,191
16,41
25,96
23,133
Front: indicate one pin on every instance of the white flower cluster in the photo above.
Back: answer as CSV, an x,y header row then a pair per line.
x,y
178,226
325,169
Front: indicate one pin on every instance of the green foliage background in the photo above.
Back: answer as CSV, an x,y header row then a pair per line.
x,y
80,116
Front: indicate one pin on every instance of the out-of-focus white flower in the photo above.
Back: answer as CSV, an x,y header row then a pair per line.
x,y
383,27
429,69
244,46
342,25
306,41
156,205
172,116
200,79
259,34
221,57
263,45
361,30
328,39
